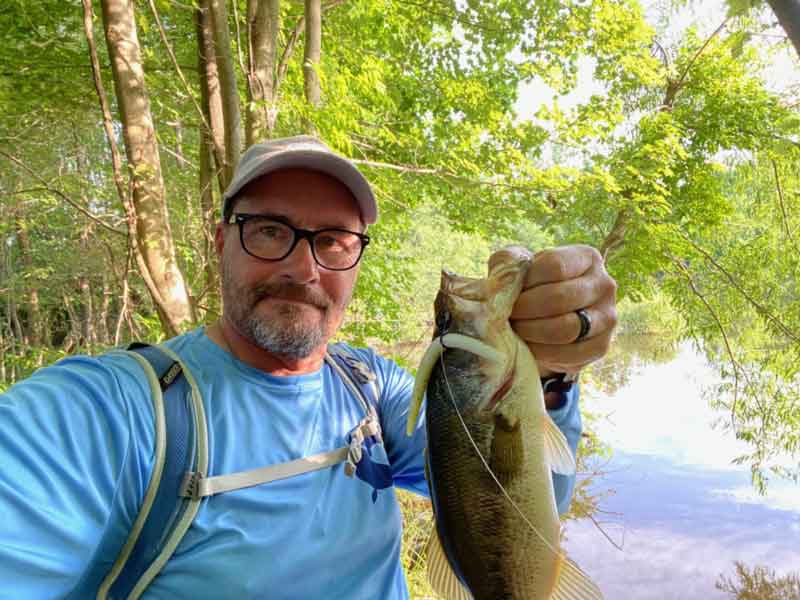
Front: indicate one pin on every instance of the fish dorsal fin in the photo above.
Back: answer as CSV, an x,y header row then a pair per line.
x,y
574,584
556,450
440,575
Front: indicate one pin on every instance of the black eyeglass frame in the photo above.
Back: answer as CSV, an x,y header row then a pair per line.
x,y
299,234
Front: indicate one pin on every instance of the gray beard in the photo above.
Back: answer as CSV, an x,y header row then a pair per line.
x,y
292,341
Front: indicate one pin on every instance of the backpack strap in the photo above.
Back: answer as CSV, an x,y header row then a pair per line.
x,y
180,446
360,379
356,374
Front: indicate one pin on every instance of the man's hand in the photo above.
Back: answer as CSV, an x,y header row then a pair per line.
x,y
559,282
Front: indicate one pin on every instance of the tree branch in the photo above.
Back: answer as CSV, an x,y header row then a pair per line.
x,y
699,52
664,55
108,122
238,38
82,209
615,237
761,309
400,168
783,207
179,157
605,534
174,60
447,175
736,366
283,65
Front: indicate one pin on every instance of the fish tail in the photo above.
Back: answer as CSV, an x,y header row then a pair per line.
x,y
573,584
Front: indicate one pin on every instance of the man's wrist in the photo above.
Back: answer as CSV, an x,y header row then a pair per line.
x,y
556,386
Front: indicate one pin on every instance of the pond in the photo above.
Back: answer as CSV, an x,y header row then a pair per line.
x,y
680,510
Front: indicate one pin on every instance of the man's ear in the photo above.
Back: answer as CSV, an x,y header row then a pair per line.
x,y
219,239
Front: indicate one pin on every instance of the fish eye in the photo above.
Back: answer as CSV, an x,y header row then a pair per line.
x,y
443,320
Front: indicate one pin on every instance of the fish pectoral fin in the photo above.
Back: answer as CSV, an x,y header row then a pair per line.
x,y
556,450
574,584
440,575
508,451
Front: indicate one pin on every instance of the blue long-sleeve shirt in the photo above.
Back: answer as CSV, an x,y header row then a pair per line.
x,y
76,454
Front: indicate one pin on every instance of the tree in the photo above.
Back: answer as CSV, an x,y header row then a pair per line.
x,y
759,583
148,216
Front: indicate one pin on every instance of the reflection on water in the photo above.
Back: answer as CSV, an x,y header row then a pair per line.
x,y
680,528
681,511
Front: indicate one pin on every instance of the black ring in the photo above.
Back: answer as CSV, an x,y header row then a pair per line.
x,y
586,324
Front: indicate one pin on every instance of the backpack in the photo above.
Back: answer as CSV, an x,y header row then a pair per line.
x,y
180,481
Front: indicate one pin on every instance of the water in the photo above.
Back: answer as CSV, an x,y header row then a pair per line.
x,y
682,512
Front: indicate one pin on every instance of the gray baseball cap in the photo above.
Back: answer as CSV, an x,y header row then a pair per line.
x,y
304,152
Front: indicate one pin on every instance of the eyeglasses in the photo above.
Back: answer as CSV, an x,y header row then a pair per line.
x,y
265,238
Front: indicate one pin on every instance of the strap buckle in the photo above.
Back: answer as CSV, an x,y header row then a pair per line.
x,y
190,485
366,427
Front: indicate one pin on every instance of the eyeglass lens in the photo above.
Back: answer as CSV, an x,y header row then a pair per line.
x,y
272,240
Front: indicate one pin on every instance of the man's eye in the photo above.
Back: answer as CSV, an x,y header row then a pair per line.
x,y
270,230
328,241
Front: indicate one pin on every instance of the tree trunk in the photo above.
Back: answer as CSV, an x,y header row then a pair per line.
x,y
73,337
311,55
35,325
180,160
207,206
6,341
4,352
227,86
153,234
12,324
263,22
788,13
616,237
87,316
210,97
103,334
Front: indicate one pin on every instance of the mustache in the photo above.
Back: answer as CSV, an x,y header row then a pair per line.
x,y
291,291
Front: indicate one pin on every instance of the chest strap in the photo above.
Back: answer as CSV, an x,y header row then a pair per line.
x,y
196,486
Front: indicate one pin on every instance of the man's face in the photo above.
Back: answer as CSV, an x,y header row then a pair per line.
x,y
293,306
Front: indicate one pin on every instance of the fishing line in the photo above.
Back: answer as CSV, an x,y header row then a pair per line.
x,y
486,464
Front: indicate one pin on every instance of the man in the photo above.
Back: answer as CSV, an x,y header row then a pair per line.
x,y
77,438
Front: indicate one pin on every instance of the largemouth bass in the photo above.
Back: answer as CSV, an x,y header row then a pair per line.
x,y
491,449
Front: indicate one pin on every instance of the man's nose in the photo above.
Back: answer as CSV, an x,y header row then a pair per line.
x,y
300,264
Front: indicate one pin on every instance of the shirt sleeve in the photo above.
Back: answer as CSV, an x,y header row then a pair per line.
x,y
65,452
568,419
406,453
